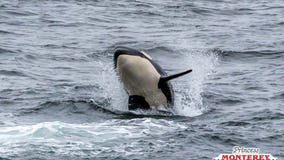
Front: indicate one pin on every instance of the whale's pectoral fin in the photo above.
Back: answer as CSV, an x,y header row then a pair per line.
x,y
164,79
137,102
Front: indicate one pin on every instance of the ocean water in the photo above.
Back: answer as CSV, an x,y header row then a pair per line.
x,y
60,97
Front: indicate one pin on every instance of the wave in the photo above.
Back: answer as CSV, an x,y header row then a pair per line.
x,y
86,140
69,106
235,123
88,109
276,137
12,73
3,50
20,13
248,54
55,128
228,139
266,115
4,32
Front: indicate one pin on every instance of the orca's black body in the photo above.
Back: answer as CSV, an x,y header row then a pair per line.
x,y
146,83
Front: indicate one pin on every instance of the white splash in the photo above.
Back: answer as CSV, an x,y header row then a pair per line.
x,y
112,87
189,89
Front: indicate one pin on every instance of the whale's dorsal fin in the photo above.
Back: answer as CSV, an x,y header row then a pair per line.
x,y
164,79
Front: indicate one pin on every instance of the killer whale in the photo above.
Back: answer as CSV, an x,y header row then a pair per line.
x,y
146,83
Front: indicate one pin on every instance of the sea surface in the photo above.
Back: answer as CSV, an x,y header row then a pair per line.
x,y
60,97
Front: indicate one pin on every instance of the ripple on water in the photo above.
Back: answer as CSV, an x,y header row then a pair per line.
x,y
12,73
234,95
3,50
95,137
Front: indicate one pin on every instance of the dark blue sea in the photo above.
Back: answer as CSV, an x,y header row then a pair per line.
x,y
60,98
